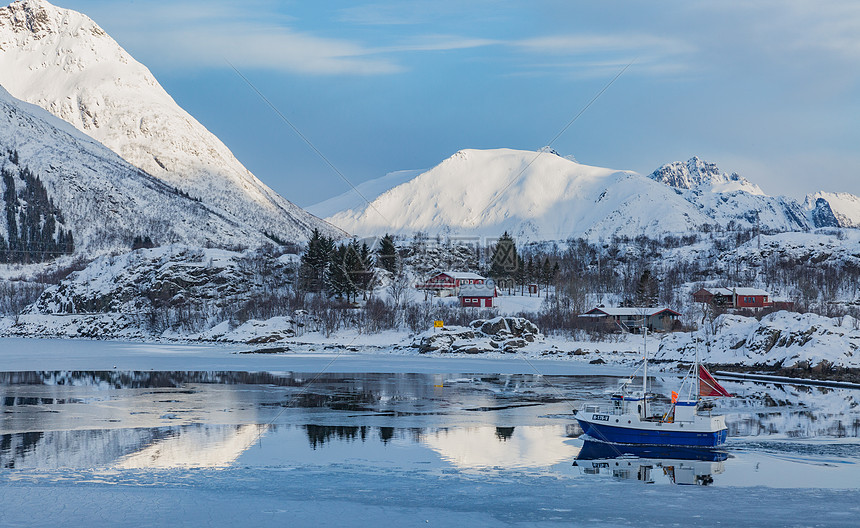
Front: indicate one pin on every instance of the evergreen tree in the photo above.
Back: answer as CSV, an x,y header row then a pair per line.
x,y
530,272
546,274
504,262
364,271
647,290
387,254
337,273
315,262
520,274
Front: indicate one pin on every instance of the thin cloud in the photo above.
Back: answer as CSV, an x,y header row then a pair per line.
x,y
272,48
439,43
188,35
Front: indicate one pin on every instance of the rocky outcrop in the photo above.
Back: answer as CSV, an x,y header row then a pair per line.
x,y
500,334
781,339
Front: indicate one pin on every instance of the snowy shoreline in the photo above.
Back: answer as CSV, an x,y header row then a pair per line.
x,y
783,343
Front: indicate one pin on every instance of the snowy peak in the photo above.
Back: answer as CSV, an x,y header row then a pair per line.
x,y
536,195
699,174
40,18
834,209
64,62
543,196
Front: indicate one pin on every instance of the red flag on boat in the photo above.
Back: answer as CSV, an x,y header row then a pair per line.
x,y
708,386
674,396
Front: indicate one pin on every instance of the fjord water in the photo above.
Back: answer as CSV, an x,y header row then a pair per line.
x,y
443,445
108,419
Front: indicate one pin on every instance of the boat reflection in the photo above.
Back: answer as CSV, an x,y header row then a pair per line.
x,y
685,466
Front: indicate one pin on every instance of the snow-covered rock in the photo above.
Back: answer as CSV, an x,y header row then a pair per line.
x,y
730,199
500,334
844,208
64,62
157,291
697,173
780,339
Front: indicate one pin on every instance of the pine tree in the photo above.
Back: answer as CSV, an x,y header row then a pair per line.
x,y
337,279
504,262
647,290
520,274
315,262
546,274
387,254
365,270
530,272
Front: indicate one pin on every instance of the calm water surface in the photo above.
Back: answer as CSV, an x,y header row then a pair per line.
x,y
780,435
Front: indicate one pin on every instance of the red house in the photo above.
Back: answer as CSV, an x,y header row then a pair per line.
x,y
448,283
752,298
478,295
737,298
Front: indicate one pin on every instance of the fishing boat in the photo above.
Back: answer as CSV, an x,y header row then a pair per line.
x,y
629,419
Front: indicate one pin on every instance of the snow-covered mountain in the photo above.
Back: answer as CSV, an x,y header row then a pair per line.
x,y
541,195
843,207
730,198
64,62
103,200
537,195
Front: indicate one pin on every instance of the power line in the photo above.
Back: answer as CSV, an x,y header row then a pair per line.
x,y
306,140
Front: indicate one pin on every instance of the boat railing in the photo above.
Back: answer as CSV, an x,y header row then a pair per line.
x,y
595,407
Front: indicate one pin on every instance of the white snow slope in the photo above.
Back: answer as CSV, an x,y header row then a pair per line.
x,y
544,196
105,201
64,62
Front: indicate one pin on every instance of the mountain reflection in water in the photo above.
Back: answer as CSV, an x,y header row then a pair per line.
x,y
133,420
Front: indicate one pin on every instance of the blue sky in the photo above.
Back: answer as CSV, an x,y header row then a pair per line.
x,y
768,89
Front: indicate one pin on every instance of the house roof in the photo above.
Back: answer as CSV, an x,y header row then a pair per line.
x,y
751,291
463,275
728,292
459,275
631,311
477,290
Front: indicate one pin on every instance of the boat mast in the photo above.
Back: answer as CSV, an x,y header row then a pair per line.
x,y
645,372
696,386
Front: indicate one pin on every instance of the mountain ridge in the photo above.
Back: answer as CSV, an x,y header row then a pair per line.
x,y
64,62
553,197
105,201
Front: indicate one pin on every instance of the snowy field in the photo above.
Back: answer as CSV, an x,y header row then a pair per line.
x,y
132,434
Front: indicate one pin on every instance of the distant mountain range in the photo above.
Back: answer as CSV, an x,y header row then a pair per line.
x,y
65,63
541,195
119,160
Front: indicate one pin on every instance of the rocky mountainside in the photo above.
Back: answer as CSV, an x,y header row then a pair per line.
x,y
58,176
64,62
153,290
730,198
839,209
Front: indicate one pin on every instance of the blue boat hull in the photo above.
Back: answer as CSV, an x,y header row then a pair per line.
x,y
625,435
